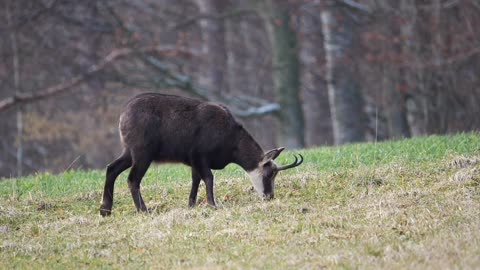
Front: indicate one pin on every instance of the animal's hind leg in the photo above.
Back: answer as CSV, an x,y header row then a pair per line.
x,y
138,170
196,178
113,170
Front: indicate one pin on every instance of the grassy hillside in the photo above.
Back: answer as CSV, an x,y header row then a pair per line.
x,y
393,205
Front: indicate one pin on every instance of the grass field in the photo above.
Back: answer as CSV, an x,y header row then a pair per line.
x,y
410,204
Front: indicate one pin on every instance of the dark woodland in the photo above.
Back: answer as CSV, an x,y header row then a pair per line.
x,y
295,73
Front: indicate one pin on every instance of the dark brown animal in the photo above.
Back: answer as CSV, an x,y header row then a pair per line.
x,y
202,135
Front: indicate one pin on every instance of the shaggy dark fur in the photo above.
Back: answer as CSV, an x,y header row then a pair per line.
x,y
202,135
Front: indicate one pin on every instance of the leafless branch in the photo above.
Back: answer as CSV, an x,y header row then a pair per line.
x,y
244,107
19,98
20,22
185,83
356,5
256,111
445,61
447,4
176,80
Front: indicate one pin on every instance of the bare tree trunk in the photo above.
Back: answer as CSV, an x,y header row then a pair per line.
x,y
213,46
439,78
416,104
318,127
346,101
396,111
16,86
286,75
394,86
243,77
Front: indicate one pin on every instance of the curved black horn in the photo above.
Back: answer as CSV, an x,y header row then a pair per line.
x,y
294,164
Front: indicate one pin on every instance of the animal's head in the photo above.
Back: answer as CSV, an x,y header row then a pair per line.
x,y
263,177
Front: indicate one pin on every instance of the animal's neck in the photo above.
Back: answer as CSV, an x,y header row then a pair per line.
x,y
249,153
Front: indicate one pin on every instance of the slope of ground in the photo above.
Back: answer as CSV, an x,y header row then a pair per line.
x,y
395,205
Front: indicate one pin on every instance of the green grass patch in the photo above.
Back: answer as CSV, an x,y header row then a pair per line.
x,y
398,205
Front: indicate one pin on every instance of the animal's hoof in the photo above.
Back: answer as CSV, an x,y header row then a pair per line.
x,y
145,210
192,203
105,212
268,196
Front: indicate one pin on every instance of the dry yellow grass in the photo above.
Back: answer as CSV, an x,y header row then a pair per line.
x,y
397,215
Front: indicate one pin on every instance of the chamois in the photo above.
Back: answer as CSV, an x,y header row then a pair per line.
x,y
203,135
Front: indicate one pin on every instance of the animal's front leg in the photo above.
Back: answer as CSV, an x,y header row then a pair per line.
x,y
195,183
201,166
113,170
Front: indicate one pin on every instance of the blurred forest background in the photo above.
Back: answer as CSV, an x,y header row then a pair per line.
x,y
297,73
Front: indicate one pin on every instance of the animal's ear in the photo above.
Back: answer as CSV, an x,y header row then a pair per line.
x,y
272,154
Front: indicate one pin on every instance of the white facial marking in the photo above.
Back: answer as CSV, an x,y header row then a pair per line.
x,y
256,177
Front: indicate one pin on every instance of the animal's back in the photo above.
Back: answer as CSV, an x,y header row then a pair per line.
x,y
174,128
